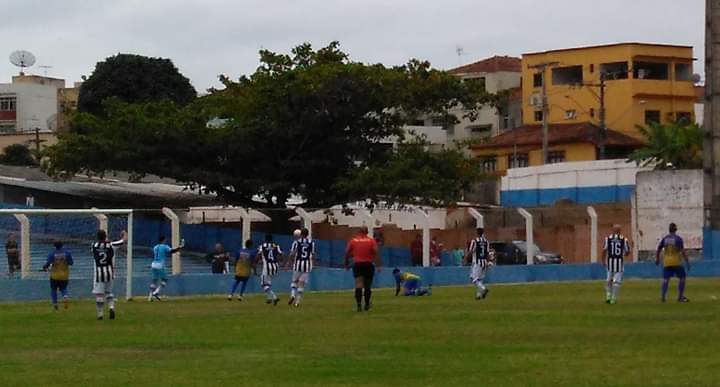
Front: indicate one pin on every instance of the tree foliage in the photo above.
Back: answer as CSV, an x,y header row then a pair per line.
x,y
17,154
298,125
414,175
134,79
675,145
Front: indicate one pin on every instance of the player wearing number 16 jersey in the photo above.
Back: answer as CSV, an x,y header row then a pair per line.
x,y
302,252
104,255
479,256
615,249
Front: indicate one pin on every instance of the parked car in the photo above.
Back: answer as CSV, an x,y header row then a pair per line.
x,y
515,253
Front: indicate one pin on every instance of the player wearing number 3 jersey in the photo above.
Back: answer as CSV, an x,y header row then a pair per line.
x,y
479,256
104,255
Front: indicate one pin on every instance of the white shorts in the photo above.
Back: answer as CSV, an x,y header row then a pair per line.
x,y
299,276
478,272
103,287
265,280
615,277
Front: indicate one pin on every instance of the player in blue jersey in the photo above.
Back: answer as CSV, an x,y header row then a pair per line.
x,y
410,283
672,249
161,252
244,260
58,263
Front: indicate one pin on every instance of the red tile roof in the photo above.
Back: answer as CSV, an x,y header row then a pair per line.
x,y
491,65
558,134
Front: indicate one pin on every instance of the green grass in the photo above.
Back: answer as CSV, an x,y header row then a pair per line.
x,y
529,335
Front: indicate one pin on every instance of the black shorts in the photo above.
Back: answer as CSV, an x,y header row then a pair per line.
x,y
241,279
60,285
365,270
14,262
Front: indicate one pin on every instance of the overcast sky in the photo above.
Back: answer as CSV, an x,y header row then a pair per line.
x,y
209,37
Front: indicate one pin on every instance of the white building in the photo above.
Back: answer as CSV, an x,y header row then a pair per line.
x,y
30,102
496,74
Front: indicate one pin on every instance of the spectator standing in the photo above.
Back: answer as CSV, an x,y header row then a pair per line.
x,y
416,251
13,255
219,259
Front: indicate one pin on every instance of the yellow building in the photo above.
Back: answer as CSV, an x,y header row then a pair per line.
x,y
643,83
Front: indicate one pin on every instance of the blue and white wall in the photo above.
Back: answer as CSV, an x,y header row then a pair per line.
x,y
586,182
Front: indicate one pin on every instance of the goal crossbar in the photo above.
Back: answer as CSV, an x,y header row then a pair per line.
x,y
86,211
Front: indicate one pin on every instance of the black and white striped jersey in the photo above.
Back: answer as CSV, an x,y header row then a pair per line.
x,y
480,250
270,252
617,247
104,256
304,250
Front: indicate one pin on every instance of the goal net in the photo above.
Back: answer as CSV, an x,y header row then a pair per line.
x,y
35,231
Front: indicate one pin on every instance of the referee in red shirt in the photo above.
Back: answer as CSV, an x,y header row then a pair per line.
x,y
363,251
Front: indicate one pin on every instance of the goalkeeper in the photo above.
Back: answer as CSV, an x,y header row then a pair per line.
x,y
411,284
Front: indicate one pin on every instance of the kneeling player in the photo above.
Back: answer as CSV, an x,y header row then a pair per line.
x,y
615,249
411,284
479,255
104,256
270,254
59,262
302,253
161,252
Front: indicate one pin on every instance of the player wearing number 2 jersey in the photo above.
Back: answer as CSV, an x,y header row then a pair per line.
x,y
479,256
302,253
104,255
615,249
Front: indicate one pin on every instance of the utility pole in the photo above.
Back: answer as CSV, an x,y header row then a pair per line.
x,y
603,128
711,159
542,69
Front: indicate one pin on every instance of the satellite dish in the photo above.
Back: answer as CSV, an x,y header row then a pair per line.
x,y
22,59
696,78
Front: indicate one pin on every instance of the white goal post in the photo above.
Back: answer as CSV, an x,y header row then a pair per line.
x,y
22,213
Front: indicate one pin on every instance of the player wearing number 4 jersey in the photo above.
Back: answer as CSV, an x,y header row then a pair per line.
x,y
104,255
615,249
269,254
479,256
302,254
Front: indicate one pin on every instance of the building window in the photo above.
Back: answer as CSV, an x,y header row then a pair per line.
x,y
570,114
652,117
651,70
592,68
683,72
521,160
615,70
480,131
538,115
417,123
683,118
6,128
571,75
488,164
8,104
592,112
555,157
537,80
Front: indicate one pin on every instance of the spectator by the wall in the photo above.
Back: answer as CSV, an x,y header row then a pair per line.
x,y
416,251
219,259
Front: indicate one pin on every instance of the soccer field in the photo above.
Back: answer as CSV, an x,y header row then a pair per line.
x,y
523,335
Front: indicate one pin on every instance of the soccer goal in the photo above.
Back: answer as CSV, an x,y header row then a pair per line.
x,y
35,231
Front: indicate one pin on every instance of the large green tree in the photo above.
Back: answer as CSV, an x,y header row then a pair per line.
x,y
300,124
134,79
675,145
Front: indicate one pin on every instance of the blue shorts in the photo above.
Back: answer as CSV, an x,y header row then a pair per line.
x,y
674,271
158,275
411,285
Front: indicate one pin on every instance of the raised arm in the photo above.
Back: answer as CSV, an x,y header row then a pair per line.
x,y
121,241
180,247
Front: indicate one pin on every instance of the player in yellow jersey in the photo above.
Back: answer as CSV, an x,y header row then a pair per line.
x,y
244,260
58,262
411,284
672,249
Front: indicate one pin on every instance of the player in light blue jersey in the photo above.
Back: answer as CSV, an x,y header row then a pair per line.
x,y
161,252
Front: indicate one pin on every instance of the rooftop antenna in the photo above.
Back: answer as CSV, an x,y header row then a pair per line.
x,y
460,51
45,69
22,59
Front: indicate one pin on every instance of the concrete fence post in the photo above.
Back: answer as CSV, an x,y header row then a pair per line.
x,y
425,220
479,218
306,219
593,234
529,238
102,221
174,238
24,244
369,222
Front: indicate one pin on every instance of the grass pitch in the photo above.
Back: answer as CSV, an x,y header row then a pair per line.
x,y
525,335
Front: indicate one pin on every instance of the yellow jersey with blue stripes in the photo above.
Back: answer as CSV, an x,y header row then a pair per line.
x,y
672,247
